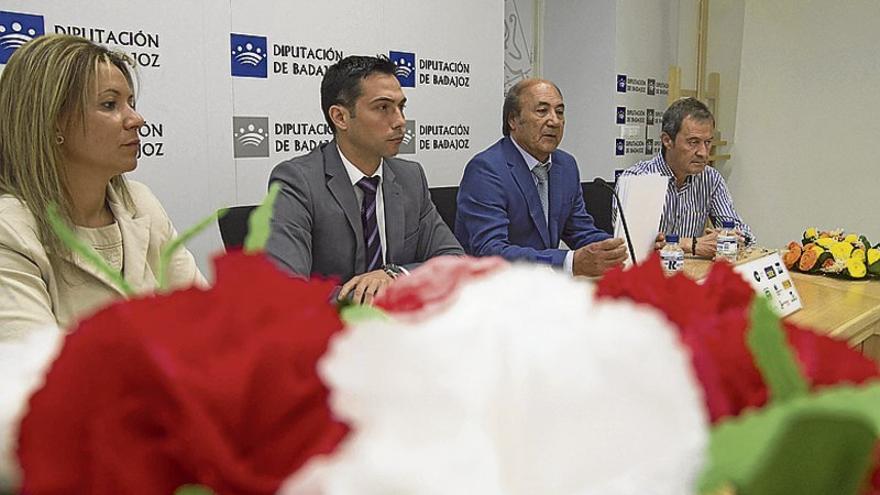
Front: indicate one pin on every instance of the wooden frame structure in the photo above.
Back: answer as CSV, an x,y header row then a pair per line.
x,y
708,89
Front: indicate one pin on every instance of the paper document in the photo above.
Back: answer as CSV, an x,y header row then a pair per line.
x,y
642,198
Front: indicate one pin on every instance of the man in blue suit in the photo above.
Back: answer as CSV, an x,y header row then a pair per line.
x,y
522,195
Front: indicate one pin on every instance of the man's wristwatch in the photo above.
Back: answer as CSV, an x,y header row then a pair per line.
x,y
393,270
694,246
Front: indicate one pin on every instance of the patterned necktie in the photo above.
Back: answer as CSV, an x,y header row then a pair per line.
x,y
542,173
368,218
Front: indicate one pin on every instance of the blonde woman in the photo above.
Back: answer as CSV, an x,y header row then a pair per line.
x,y
68,131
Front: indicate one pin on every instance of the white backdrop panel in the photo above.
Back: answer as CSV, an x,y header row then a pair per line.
x,y
184,96
454,102
194,158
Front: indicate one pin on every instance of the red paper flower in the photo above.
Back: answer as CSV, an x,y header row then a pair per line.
x,y
213,387
434,283
713,318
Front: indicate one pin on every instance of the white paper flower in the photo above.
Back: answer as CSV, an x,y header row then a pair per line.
x,y
523,385
23,363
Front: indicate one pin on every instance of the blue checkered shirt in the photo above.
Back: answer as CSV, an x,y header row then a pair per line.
x,y
702,197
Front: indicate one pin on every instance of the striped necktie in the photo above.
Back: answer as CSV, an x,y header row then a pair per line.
x,y
541,173
373,243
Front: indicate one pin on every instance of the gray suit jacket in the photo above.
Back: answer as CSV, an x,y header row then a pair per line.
x,y
316,224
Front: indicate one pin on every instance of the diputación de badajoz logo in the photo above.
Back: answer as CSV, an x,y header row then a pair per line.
x,y
250,137
17,29
621,115
405,71
408,145
621,83
249,56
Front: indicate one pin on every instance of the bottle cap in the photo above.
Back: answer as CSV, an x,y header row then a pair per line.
x,y
727,224
672,238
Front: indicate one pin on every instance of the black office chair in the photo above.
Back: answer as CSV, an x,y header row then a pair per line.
x,y
597,200
234,226
444,199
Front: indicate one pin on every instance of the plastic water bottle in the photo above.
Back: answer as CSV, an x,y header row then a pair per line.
x,y
726,243
672,256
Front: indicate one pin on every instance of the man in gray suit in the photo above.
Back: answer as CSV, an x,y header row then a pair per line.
x,y
348,209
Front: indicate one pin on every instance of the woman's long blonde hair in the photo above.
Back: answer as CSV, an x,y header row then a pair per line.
x,y
47,82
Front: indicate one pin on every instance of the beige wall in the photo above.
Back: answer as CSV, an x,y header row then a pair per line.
x,y
578,55
807,118
724,49
800,98
646,45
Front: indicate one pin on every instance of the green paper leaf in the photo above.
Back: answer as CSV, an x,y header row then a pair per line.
x,y
816,454
193,490
773,356
259,222
73,242
178,242
353,314
741,448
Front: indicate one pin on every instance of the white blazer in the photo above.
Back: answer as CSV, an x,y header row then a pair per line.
x,y
33,294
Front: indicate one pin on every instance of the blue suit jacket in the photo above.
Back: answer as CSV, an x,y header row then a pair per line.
x,y
499,211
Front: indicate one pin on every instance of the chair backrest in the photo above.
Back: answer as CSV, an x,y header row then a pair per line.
x,y
444,199
234,226
597,200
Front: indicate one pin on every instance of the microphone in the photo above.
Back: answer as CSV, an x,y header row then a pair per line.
x,y
602,182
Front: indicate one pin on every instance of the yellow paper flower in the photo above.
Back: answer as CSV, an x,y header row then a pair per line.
x,y
856,268
841,251
873,256
858,254
826,242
